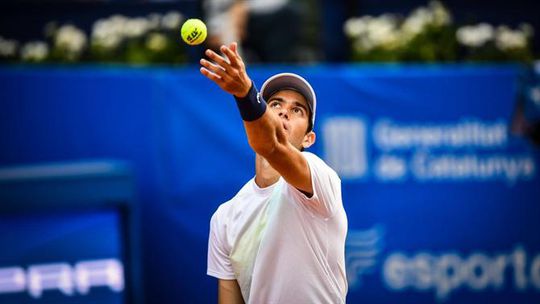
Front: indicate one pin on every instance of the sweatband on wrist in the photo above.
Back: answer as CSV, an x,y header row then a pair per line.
x,y
252,106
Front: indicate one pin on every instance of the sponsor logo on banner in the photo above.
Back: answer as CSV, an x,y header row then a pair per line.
x,y
439,273
345,146
362,250
67,279
393,151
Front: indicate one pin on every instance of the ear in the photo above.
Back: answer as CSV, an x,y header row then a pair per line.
x,y
309,139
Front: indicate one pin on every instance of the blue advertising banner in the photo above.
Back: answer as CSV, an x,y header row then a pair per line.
x,y
442,197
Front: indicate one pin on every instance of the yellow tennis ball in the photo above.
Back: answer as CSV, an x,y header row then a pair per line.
x,y
193,31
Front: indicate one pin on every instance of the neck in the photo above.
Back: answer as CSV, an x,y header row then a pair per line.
x,y
265,175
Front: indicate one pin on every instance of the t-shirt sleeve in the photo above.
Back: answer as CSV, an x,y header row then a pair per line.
x,y
326,186
219,264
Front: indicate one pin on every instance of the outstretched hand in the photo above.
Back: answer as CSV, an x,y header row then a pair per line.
x,y
228,71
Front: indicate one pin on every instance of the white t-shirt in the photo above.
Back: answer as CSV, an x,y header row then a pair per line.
x,y
280,245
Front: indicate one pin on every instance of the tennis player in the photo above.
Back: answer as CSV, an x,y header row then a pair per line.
x,y
281,239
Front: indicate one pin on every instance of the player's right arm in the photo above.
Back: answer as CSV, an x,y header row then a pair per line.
x,y
229,292
266,134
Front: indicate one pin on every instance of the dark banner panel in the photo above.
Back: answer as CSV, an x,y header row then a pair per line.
x,y
54,258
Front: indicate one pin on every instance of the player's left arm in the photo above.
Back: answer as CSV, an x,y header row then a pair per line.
x,y
266,134
229,292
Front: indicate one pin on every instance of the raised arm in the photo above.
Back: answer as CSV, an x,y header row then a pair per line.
x,y
265,128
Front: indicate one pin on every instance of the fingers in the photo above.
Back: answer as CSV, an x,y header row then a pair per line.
x,y
227,70
234,48
214,68
218,59
212,76
234,59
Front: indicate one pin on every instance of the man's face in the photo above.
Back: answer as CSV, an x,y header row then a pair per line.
x,y
293,110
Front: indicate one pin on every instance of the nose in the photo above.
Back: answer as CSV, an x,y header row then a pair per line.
x,y
283,112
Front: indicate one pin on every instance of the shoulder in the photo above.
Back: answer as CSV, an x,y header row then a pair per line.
x,y
326,185
319,166
225,209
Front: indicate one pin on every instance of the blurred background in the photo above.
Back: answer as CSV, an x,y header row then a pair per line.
x,y
115,151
